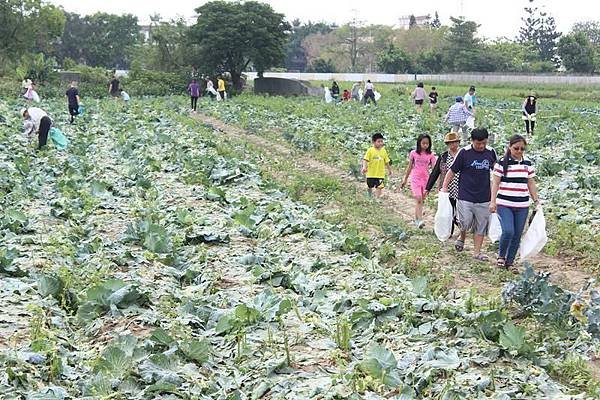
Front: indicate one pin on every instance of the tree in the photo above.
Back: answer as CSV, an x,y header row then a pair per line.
x,y
412,22
296,56
101,39
322,66
352,43
436,24
461,44
394,60
539,32
591,29
28,26
231,36
168,45
576,52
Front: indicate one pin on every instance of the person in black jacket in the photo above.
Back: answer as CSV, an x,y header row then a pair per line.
x,y
442,166
335,92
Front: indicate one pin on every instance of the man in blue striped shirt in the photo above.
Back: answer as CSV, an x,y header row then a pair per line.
x,y
457,116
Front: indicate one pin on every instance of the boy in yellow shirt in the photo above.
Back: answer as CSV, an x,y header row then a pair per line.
x,y
374,164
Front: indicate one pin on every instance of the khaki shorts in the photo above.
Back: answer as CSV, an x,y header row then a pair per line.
x,y
473,217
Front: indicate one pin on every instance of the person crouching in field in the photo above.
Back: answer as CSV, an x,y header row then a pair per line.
x,y
36,121
420,161
374,164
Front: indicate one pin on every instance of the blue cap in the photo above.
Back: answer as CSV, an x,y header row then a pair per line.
x,y
459,99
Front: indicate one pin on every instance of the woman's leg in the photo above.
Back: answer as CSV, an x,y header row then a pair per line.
x,y
527,126
508,230
43,132
532,126
519,220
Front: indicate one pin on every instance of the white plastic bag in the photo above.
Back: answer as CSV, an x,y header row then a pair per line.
x,y
535,238
494,229
470,122
34,96
443,217
377,96
328,97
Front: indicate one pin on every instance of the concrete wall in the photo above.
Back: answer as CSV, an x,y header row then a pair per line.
x,y
467,78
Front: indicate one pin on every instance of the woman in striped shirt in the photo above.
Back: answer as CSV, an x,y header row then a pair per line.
x,y
513,188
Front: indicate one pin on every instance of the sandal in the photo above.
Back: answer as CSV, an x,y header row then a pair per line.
x,y
501,262
512,268
459,245
481,257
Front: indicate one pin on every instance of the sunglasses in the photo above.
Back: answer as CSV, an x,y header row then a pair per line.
x,y
519,148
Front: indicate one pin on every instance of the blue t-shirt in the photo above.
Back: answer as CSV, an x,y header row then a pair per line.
x,y
474,167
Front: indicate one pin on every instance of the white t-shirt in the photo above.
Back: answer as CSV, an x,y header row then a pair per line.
x,y
468,99
369,86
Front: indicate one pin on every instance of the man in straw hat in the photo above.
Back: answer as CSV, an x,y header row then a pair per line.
x,y
442,166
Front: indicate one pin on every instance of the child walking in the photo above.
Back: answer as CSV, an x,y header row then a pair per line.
x,y
374,164
419,163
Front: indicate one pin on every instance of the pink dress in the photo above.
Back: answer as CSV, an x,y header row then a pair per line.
x,y
420,172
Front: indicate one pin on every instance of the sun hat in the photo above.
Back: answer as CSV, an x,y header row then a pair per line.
x,y
459,99
451,137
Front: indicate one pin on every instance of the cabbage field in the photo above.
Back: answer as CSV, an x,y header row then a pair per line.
x,y
165,255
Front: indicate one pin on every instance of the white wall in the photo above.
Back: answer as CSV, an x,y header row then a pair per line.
x,y
466,78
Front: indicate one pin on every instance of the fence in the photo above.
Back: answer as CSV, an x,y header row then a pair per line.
x,y
466,78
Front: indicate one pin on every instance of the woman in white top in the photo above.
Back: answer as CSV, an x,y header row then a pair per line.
x,y
419,96
369,93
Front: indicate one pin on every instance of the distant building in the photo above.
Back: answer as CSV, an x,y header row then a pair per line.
x,y
421,20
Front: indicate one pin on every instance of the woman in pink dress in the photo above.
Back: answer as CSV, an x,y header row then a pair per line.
x,y
420,162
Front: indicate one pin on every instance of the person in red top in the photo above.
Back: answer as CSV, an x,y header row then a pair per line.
x,y
346,96
513,188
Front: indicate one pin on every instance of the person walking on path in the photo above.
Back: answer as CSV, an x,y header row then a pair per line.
x,y
442,166
369,93
474,162
419,96
457,117
374,164
433,99
73,101
529,111
221,88
355,91
36,121
513,189
194,91
113,88
470,101
335,92
420,161
210,88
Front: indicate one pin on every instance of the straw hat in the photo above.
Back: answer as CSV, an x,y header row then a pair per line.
x,y
451,137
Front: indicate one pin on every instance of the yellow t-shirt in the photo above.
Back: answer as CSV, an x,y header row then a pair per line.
x,y
376,161
221,85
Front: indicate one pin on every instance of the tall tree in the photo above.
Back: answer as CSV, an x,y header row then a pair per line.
x,y
296,57
231,36
540,33
461,44
412,22
352,43
28,26
591,29
576,52
101,39
436,23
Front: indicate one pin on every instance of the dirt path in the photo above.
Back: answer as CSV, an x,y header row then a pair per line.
x,y
564,272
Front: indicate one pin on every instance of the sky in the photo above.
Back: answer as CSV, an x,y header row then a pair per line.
x,y
498,18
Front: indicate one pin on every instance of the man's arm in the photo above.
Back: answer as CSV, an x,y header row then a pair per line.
x,y
449,176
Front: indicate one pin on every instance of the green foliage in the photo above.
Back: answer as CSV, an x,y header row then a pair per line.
x,y
320,65
110,295
36,67
394,61
512,339
295,53
7,257
539,32
381,364
232,36
576,52
100,39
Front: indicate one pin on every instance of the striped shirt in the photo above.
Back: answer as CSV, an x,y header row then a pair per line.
x,y
458,114
513,190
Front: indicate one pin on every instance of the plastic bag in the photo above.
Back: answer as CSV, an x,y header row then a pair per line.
x,y
494,229
443,217
535,238
328,97
470,122
58,138
80,110
377,96
35,96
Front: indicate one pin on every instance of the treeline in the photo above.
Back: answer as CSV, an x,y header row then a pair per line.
x,y
37,39
436,48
